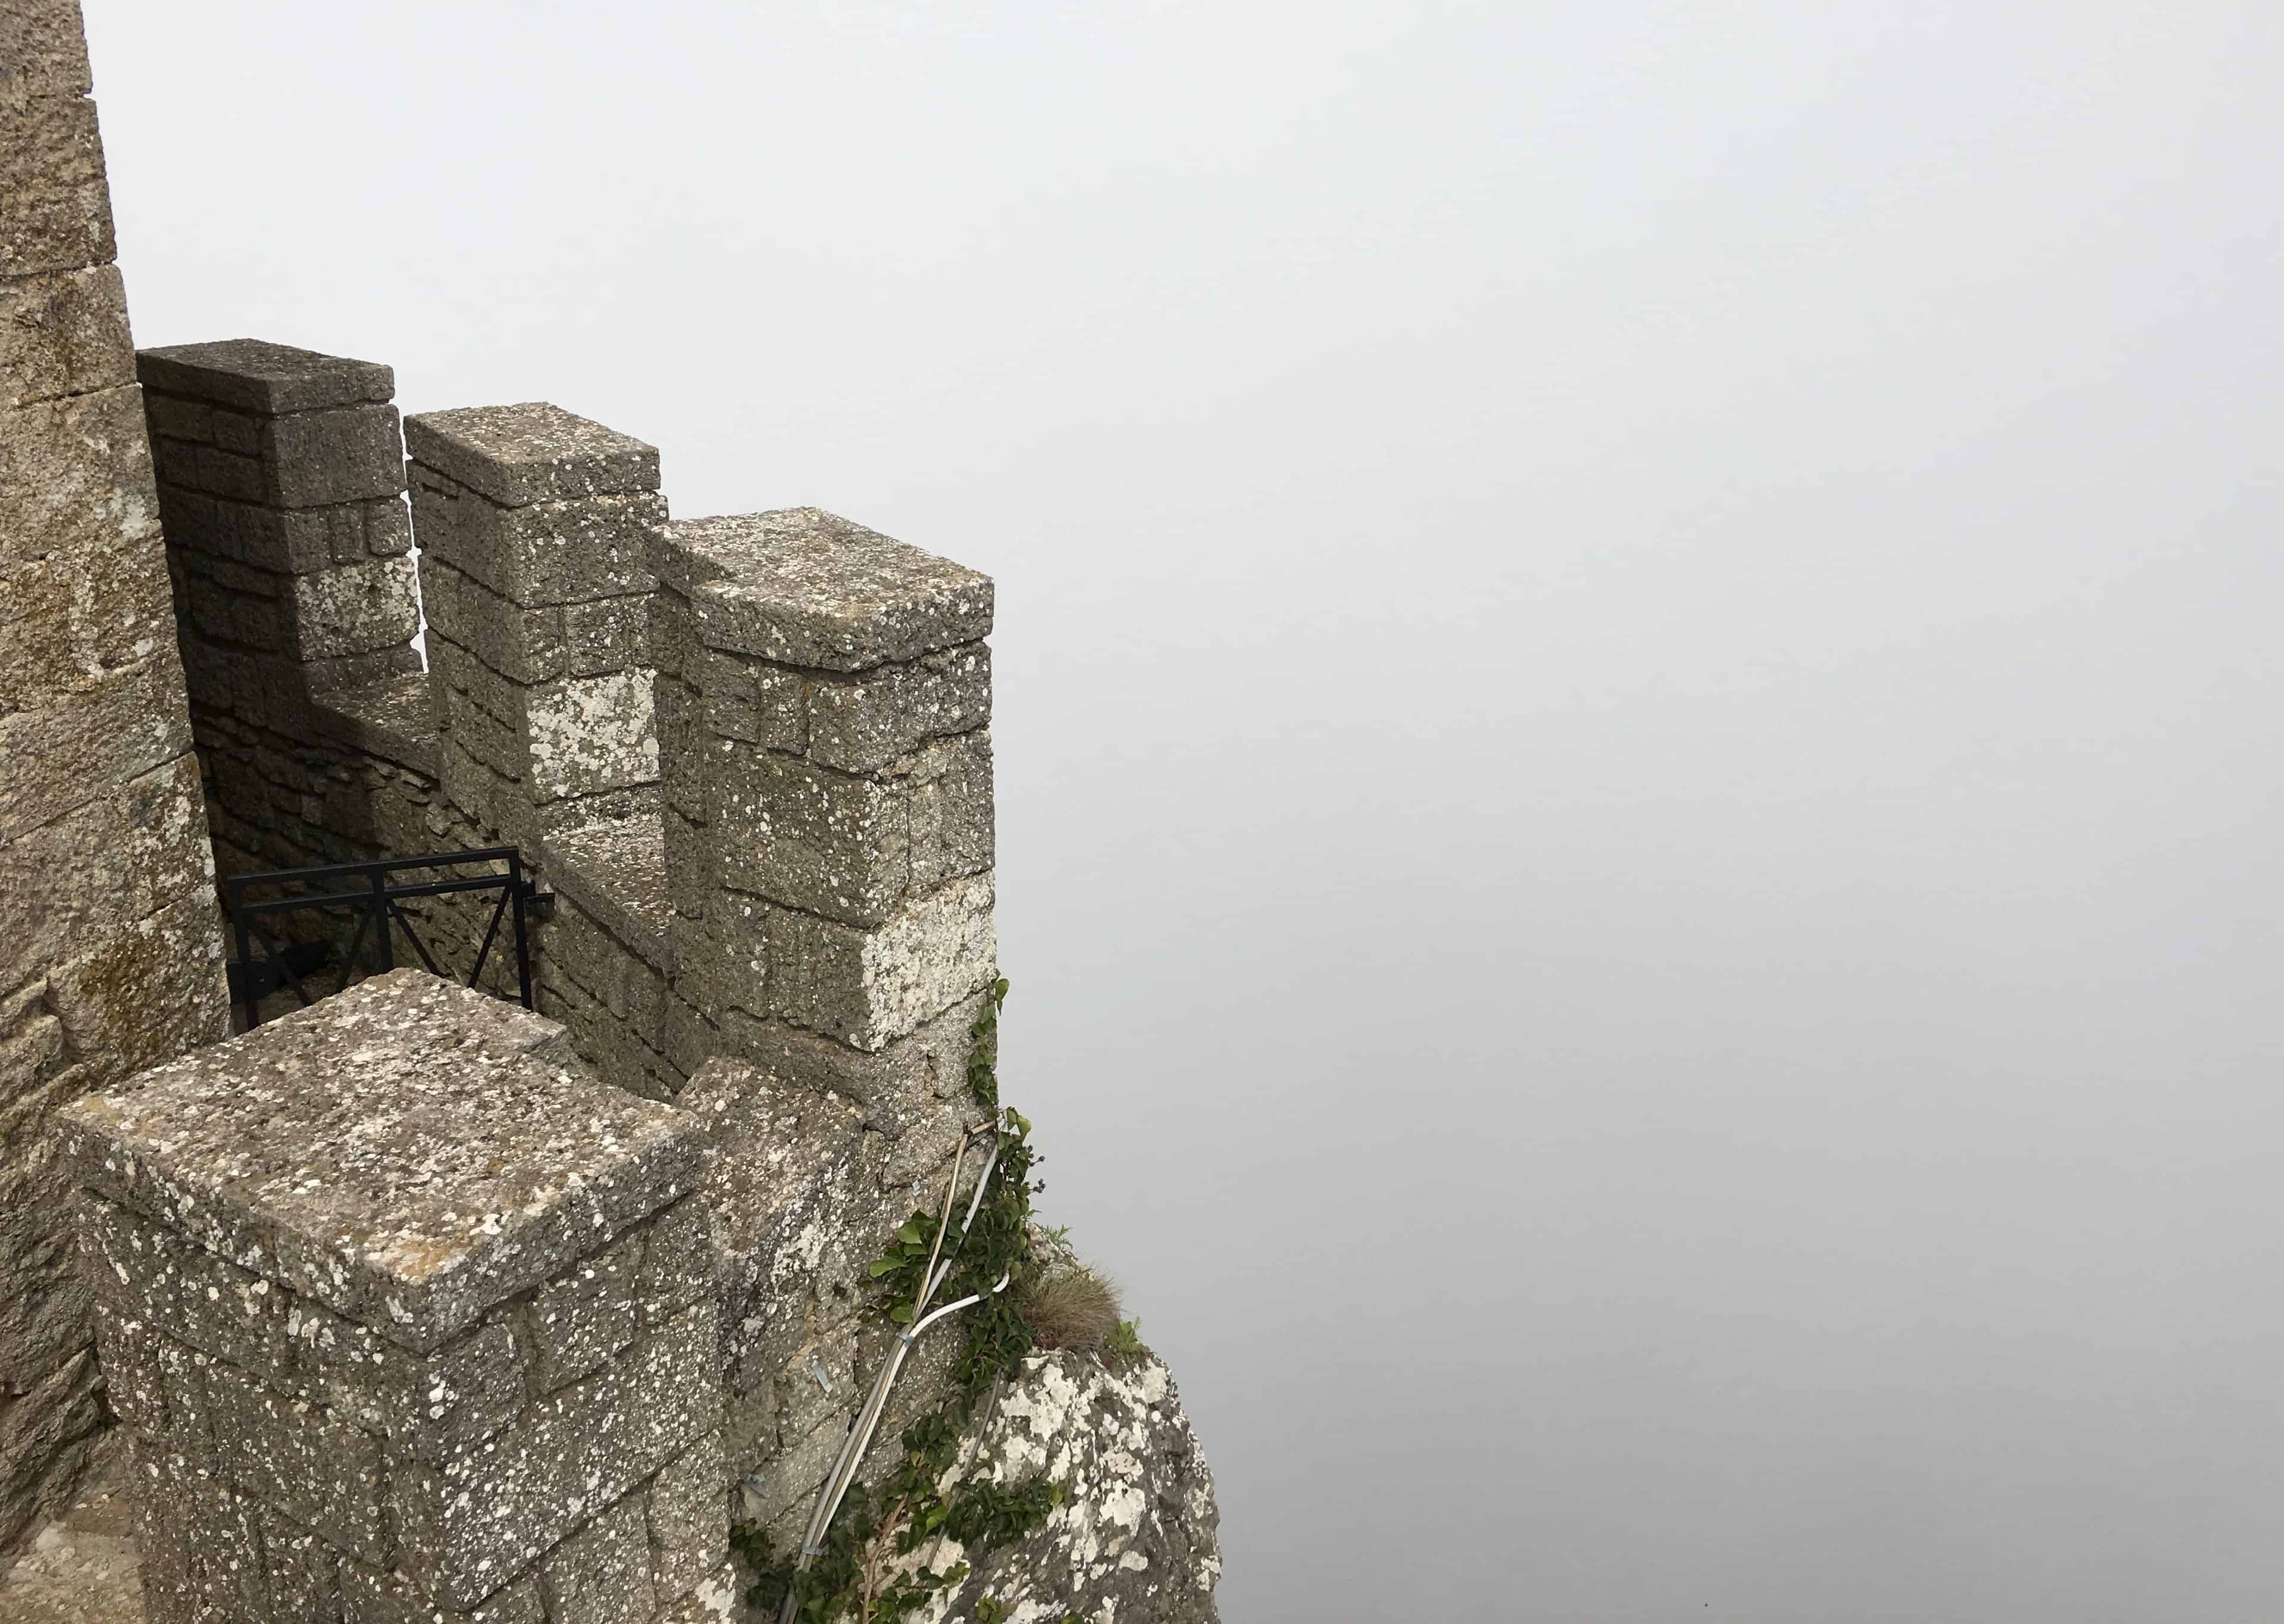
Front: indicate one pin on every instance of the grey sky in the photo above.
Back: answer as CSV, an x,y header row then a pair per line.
x,y
1637,678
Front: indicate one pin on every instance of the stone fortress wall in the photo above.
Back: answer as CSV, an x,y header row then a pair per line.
x,y
750,758
110,959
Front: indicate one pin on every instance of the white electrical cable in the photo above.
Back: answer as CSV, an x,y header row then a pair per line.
x,y
835,1488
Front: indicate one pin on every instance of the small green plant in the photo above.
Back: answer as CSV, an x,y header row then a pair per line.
x,y
1124,1346
852,1576
983,1049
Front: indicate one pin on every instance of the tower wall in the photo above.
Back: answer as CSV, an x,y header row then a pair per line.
x,y
109,961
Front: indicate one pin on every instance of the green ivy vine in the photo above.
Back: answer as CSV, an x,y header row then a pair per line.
x,y
851,1577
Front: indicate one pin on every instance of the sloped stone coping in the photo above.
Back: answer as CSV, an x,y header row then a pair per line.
x,y
616,873
408,1153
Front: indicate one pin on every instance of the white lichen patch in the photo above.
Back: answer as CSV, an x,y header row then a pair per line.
x,y
1136,1537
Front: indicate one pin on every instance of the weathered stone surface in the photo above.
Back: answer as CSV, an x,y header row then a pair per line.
x,y
803,587
91,744
82,1568
389,719
518,643
149,991
601,1575
48,1428
355,609
545,553
465,1526
847,847
717,1599
862,723
57,210
869,986
288,541
687,1511
891,1084
427,1405
373,1597
615,872
255,375
1137,1538
42,51
450,1159
752,700
82,581
301,1457
63,332
592,733
70,883
108,956
346,454
781,1494
792,1181
533,452
574,1322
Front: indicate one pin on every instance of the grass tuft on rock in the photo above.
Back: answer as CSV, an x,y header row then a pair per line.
x,y
1073,1307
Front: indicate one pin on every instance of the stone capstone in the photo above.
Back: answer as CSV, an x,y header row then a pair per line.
x,y
408,1154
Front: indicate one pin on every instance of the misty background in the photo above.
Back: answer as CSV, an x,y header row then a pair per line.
x,y
1637,669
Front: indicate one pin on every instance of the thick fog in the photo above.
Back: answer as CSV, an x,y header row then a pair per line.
x,y
1637,692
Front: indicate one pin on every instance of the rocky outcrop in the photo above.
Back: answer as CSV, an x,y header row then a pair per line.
x,y
1137,1538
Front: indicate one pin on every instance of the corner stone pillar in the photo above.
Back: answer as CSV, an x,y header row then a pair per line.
x,y
534,570
823,695
411,1319
281,487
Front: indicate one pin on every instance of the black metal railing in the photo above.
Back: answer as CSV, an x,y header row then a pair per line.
x,y
372,902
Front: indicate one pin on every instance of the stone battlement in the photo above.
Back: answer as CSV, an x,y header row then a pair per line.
x,y
414,1304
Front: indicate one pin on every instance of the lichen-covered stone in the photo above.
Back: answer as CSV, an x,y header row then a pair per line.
x,y
255,375
616,873
288,540
63,332
687,1514
354,608
345,454
588,734
1137,1538
373,1595
150,990
468,1524
426,1406
868,987
529,453
68,885
58,213
803,587
601,1575
791,1183
577,1320
545,553
42,51
897,1084
407,1152
91,744
864,722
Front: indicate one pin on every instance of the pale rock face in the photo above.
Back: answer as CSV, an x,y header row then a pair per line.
x,y
1135,1541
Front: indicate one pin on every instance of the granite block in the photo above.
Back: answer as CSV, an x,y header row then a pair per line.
x,y
407,1152
253,375
529,453
803,587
